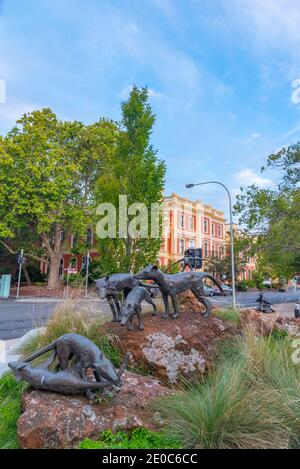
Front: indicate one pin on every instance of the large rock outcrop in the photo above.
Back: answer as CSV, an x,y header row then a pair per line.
x,y
171,348
51,420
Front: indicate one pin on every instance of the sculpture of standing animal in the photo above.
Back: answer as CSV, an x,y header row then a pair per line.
x,y
172,284
132,306
111,286
86,353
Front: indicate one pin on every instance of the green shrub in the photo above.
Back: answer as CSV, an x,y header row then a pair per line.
x,y
250,400
10,408
242,286
139,438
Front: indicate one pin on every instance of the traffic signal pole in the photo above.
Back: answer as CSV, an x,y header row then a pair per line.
x,y
20,271
87,274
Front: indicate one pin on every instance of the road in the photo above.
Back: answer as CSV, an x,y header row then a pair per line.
x,y
17,318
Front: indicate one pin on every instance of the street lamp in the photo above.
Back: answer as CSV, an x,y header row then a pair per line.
x,y
189,186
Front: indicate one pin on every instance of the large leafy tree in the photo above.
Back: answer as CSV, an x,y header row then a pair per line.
x,y
47,171
135,171
273,215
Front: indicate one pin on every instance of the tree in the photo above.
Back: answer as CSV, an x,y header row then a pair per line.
x,y
221,264
273,215
133,170
47,170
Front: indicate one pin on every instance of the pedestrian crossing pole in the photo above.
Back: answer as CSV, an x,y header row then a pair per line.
x,y
87,274
20,261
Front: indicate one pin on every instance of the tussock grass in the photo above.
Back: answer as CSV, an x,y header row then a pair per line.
x,y
228,314
251,399
68,318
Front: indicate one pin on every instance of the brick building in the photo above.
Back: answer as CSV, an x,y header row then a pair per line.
x,y
189,224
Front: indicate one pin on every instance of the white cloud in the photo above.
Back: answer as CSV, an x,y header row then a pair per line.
x,y
12,110
247,177
255,135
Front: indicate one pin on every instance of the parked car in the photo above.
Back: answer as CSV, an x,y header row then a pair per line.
x,y
208,291
226,288
267,283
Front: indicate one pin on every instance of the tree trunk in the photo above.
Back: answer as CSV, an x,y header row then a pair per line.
x,y
55,254
26,275
53,277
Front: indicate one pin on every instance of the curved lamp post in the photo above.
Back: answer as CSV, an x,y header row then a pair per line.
x,y
189,186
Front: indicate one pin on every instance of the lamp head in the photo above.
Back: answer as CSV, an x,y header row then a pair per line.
x,y
188,186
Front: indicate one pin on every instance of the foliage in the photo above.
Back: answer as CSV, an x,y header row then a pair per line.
x,y
133,171
139,438
250,400
47,170
10,408
273,215
242,286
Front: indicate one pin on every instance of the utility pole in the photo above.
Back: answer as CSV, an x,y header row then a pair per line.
x,y
20,262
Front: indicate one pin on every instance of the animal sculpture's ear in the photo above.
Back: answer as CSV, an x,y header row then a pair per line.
x,y
155,267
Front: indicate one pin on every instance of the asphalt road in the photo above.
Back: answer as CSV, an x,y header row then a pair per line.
x,y
17,318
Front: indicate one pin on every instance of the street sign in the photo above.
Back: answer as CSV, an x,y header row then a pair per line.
x,y
21,259
72,271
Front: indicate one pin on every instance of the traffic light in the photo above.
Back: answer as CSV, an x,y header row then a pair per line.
x,y
194,257
86,260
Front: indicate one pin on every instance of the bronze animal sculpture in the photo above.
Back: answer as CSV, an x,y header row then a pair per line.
x,y
132,306
64,382
86,354
112,286
172,284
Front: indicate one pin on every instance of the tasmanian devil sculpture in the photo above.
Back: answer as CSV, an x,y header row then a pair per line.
x,y
172,284
132,307
64,382
86,355
112,286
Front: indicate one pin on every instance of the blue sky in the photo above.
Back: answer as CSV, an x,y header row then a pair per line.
x,y
220,76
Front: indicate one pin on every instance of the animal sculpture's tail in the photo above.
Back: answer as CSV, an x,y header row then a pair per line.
x,y
40,352
214,280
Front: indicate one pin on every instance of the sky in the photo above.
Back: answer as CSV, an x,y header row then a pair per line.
x,y
223,77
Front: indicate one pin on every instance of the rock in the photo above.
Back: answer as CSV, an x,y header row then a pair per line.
x,y
171,348
51,420
259,323
265,323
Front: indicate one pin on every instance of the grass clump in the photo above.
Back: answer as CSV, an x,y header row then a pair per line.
x,y
67,318
228,314
251,399
139,438
10,408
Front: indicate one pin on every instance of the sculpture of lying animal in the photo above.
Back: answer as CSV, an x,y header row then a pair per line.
x,y
172,284
64,382
132,306
86,353
111,286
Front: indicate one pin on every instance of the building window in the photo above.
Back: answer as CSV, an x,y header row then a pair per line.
x,y
213,249
205,249
220,251
192,243
205,226
213,229
181,221
181,246
191,223
219,231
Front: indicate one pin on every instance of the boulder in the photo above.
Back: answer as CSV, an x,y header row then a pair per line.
x,y
265,323
51,420
259,323
171,349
